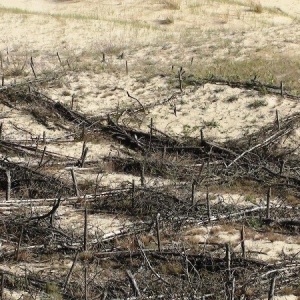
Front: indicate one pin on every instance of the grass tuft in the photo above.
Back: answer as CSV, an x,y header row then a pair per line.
x,y
256,7
171,4
258,103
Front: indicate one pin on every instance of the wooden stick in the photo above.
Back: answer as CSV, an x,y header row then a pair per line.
x,y
1,128
133,283
75,183
2,80
228,261
157,232
31,61
281,88
193,192
32,68
43,154
281,167
82,150
137,100
201,137
208,206
268,203
272,288
151,133
44,137
126,67
2,286
8,186
85,283
58,58
142,174
70,271
243,242
72,101
37,144
26,278
85,231
19,243
233,288
84,156
180,79
132,193
103,57
277,120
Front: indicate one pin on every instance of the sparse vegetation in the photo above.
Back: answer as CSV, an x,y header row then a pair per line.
x,y
256,6
258,103
211,124
171,4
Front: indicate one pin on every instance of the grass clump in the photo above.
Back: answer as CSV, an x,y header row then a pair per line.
x,y
256,7
211,124
258,103
171,4
172,268
232,99
166,21
53,290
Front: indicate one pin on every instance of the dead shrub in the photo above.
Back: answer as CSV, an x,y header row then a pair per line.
x,y
256,7
171,4
172,268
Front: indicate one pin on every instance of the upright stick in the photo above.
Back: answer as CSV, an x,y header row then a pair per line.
x,y
268,203
157,232
272,289
8,186
75,183
243,242
85,231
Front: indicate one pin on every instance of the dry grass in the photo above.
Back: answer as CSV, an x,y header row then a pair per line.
x,y
172,268
147,240
292,200
24,256
86,256
192,240
196,231
171,4
272,236
167,20
256,6
251,234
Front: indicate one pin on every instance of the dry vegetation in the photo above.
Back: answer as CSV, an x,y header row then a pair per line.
x,y
149,150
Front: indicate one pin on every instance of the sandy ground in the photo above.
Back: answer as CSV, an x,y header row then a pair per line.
x,y
268,247
80,33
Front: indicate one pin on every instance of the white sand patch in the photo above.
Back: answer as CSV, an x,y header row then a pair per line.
x,y
265,246
98,224
96,151
223,112
15,295
19,124
273,250
285,297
